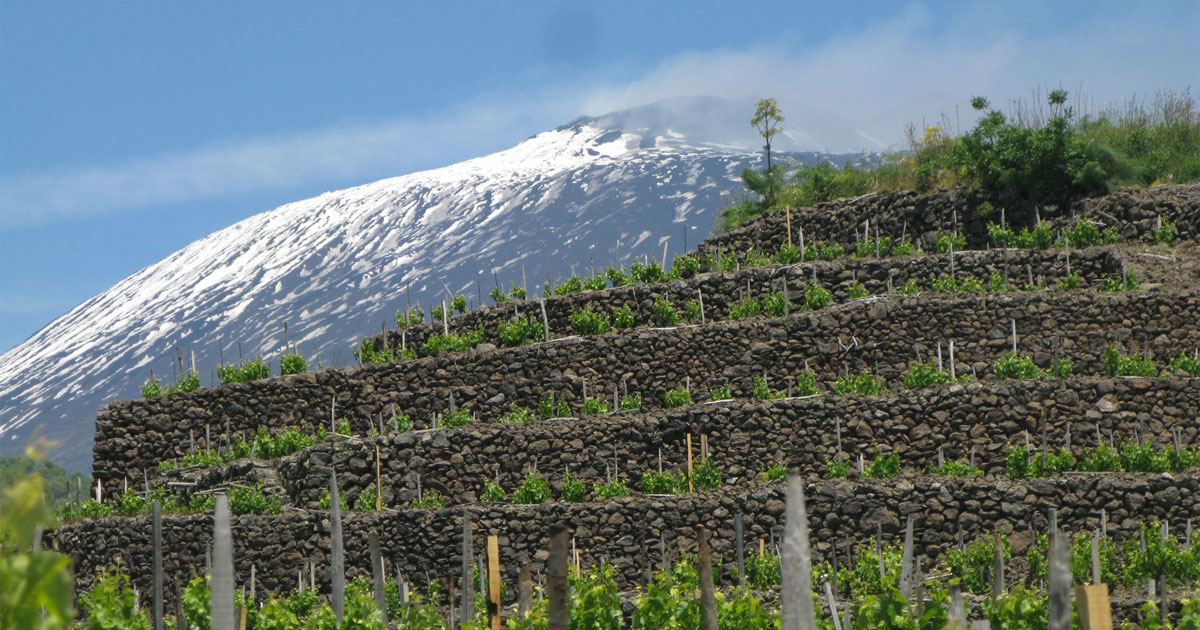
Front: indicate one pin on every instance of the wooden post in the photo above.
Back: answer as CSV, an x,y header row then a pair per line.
x,y
700,296
740,541
1059,578
906,560
1014,336
708,600
337,555
796,592
956,617
1096,577
952,374
1095,609
221,595
378,483
493,577
556,573
998,569
837,623
156,542
691,486
524,591
788,210
545,321
468,566
377,574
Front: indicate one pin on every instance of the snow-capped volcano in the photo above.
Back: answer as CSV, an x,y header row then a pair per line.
x,y
335,266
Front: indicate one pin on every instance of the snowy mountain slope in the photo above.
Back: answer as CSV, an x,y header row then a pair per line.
x,y
337,265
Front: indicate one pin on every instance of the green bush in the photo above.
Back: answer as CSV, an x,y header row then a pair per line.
x,y
646,273
1061,368
1184,363
775,305
152,388
412,318
498,296
533,490
612,489
882,466
571,286
691,311
761,391
1117,363
1081,559
593,407
366,499
972,565
775,471
1024,463
623,318
616,277
806,384
456,418
837,467
684,267
517,415
520,331
996,283
864,383
677,397
1070,281
430,500
857,290
706,475
944,242
830,251
588,322
956,468
452,342
292,363
493,491
1113,284
816,297
720,392
458,304
748,307
1165,233
1015,366
763,570
245,372
663,483
573,490
909,288
921,375
665,314
788,254
631,401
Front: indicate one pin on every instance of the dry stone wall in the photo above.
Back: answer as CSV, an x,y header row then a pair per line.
x,y
879,334
627,532
920,217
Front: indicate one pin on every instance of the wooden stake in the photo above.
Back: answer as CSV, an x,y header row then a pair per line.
x,y
378,481
524,591
377,574
493,576
556,573
221,595
468,565
337,555
708,600
788,210
691,486
1095,609
545,321
796,592
156,544
906,561
740,542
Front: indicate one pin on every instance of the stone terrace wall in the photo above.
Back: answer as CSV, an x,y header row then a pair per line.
x,y
744,436
721,290
922,216
626,531
878,333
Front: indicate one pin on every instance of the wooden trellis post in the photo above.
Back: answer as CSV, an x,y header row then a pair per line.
x,y
493,578
556,574
796,592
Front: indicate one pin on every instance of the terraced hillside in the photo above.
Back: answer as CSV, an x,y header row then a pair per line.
x,y
895,355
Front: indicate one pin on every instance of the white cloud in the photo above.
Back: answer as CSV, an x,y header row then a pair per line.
x,y
851,91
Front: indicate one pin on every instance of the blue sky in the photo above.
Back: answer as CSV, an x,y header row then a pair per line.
x,y
128,130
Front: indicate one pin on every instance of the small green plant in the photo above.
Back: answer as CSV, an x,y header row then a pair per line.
x,y
1114,284
864,383
806,384
366,353
906,248
323,502
944,242
1024,463
1061,368
588,322
533,490
1117,363
761,391
516,293
498,296
754,258
691,311
456,418
152,388
830,251
837,467
612,489
1165,233
292,363
1070,281
616,277
910,288
517,415
706,475
972,564
571,286
623,318
631,401
788,254
775,305
663,483
816,297
720,392
458,304
110,603
1015,366
956,468
920,375
775,471
857,290
595,283
748,307
413,317
437,313
1184,363
677,397
996,283
882,466
452,342
520,331
646,273
430,499
244,372
366,499
664,313
573,490
684,267
1084,233
593,407
1081,559
493,491
763,570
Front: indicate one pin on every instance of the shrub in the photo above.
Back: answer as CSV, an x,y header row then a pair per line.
x,y
458,304
831,251
665,314
646,273
788,254
864,383
616,277
457,418
493,491
1084,233
367,353
573,490
973,564
1190,365
1024,463
806,384
623,317
517,415
413,317
882,466
956,468
430,500
244,372
516,293
1081,559
292,363
520,331
996,283
837,467
572,285
1165,233
366,499
857,290
748,307
685,266
323,502
720,392
816,297
1070,281
533,490
109,603
921,375
1061,368
452,342
612,489
677,397
1117,363
906,248
1013,365
761,391
152,388
944,242
631,401
691,311
909,288
755,259
437,313
1113,284
588,322
775,305
706,475
763,570
663,483
593,407
498,296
